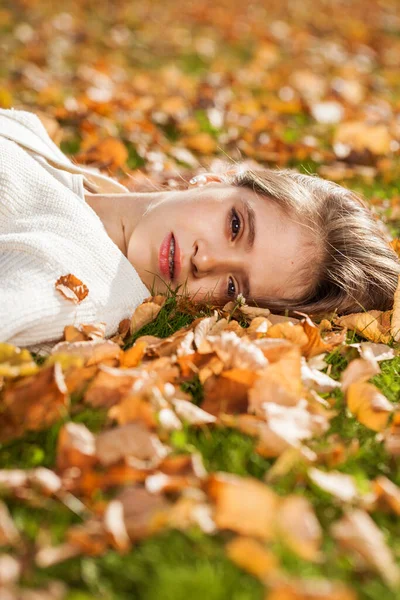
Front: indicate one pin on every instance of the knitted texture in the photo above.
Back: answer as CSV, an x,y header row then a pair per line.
x,y
47,230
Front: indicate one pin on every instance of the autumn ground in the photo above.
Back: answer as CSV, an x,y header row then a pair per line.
x,y
149,92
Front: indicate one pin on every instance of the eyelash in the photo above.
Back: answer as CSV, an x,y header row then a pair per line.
x,y
234,218
234,222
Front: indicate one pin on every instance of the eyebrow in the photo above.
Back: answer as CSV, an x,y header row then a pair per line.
x,y
251,221
251,235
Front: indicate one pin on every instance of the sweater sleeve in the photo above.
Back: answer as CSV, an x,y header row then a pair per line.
x,y
46,231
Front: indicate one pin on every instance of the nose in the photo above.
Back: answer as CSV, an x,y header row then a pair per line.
x,y
203,259
207,259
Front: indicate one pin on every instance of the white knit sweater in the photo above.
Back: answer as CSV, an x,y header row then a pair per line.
x,y
47,230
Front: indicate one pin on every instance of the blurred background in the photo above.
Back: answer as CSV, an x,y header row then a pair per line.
x,y
153,88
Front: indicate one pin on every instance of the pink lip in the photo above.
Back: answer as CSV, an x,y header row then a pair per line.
x,y
163,257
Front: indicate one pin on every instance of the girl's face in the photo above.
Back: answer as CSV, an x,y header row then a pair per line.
x,y
218,241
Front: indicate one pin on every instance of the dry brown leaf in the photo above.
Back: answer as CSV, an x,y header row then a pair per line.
x,y
243,505
258,327
251,312
109,387
144,513
369,406
72,288
109,152
132,441
228,393
75,447
92,352
134,408
340,485
361,135
392,436
395,324
236,352
9,534
90,537
52,555
201,332
10,571
316,380
357,532
358,371
373,325
251,556
388,493
34,402
132,357
288,331
309,589
191,413
299,528
280,383
315,344
370,350
144,314
291,459
114,525
192,510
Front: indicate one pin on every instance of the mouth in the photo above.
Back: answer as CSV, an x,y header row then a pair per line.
x,y
169,258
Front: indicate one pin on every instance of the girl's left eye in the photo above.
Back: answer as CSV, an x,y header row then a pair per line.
x,y
235,224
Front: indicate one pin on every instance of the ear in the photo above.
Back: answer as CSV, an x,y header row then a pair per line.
x,y
205,178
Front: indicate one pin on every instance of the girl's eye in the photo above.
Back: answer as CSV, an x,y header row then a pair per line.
x,y
235,224
231,288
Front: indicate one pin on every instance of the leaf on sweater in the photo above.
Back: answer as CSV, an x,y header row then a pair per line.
x,y
72,288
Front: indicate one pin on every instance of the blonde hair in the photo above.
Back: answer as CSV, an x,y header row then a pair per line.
x,y
354,268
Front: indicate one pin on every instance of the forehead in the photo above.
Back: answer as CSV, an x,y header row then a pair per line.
x,y
283,248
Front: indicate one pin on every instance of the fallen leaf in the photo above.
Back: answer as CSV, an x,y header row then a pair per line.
x,y
280,383
299,528
114,525
132,441
395,324
251,556
16,362
35,402
392,436
288,331
243,505
237,353
10,571
228,393
9,534
388,493
144,314
373,325
315,344
191,413
360,135
309,589
92,352
72,288
144,513
132,357
358,371
75,447
369,406
340,485
357,532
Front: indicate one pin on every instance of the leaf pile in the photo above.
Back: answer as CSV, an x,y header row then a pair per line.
x,y
260,374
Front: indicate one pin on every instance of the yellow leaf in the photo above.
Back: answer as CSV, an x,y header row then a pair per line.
x,y
369,405
373,325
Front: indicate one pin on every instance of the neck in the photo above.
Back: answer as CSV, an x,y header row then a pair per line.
x,y
120,213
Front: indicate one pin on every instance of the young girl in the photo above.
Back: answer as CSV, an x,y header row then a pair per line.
x,y
283,240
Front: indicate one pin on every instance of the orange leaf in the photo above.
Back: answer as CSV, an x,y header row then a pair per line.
x,y
72,288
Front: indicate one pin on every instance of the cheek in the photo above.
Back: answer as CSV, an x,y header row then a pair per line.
x,y
208,288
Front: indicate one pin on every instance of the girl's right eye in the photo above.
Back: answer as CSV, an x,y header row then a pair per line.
x,y
232,293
